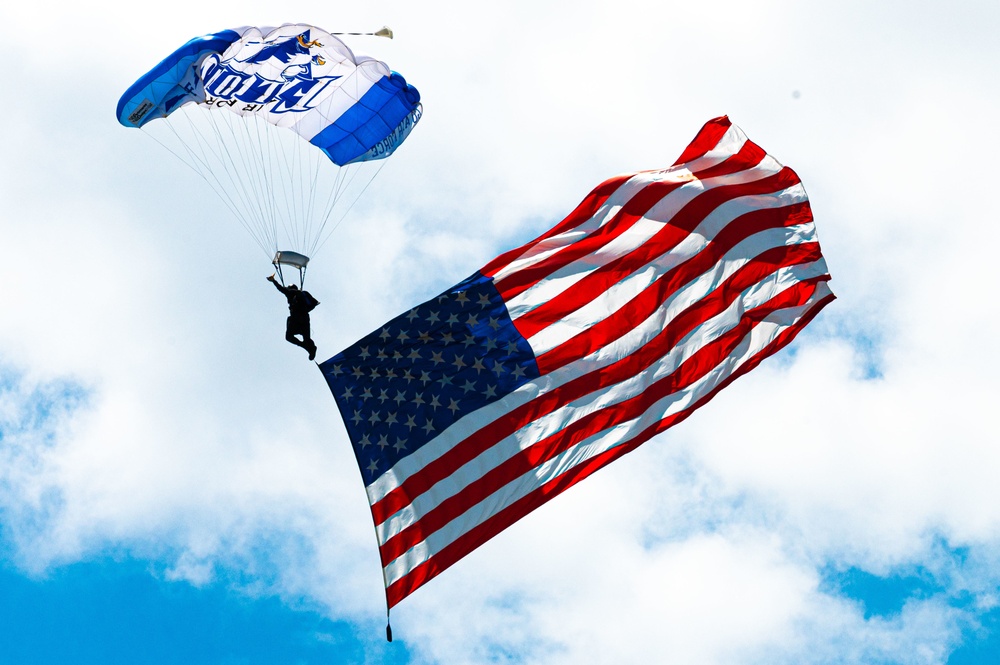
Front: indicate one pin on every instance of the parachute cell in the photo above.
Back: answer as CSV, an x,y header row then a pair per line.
x,y
279,121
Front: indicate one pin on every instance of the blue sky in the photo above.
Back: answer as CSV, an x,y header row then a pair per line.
x,y
117,611
177,486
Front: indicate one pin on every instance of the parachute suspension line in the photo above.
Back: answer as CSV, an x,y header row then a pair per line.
x,y
319,161
236,167
249,215
310,221
199,166
228,165
252,162
302,169
345,175
319,242
268,173
287,157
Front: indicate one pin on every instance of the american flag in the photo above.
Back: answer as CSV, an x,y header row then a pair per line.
x,y
476,407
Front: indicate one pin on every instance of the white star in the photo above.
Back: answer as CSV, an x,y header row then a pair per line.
x,y
473,320
436,358
402,336
491,392
399,445
411,422
478,365
433,317
484,300
385,334
428,427
469,386
494,323
383,441
453,406
357,417
462,298
364,353
364,442
372,466
434,402
373,418
458,362
348,393
412,314
518,372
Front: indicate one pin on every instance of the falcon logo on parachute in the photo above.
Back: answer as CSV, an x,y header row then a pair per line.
x,y
283,70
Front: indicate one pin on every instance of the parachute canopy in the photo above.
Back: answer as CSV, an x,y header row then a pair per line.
x,y
353,108
264,114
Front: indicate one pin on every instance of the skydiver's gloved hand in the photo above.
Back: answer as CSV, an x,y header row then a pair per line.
x,y
271,278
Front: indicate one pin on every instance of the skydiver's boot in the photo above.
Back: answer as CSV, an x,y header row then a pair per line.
x,y
312,350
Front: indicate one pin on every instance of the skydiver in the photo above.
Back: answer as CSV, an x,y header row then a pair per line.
x,y
300,303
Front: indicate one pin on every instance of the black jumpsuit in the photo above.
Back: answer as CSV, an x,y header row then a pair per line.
x,y
300,303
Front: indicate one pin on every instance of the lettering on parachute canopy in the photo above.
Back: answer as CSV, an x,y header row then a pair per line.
x,y
391,142
140,112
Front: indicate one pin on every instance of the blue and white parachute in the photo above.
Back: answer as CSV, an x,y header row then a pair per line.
x,y
277,120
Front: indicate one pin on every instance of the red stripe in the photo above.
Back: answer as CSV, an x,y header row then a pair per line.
x,y
587,209
691,370
510,422
483,532
635,209
644,304
708,137
674,232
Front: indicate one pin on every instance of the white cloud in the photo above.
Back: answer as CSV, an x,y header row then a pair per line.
x,y
206,444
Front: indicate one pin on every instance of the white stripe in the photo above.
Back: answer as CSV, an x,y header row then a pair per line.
x,y
763,334
640,232
550,246
731,143
622,292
